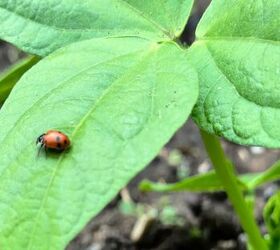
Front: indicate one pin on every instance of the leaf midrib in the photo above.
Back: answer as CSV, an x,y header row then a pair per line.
x,y
72,136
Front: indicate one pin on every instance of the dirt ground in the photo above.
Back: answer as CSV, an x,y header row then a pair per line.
x,y
191,221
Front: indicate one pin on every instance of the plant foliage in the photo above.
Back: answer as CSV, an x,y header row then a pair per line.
x,y
118,82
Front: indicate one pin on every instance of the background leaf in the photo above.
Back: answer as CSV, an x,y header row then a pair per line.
x,y
208,182
9,78
272,216
118,106
269,175
57,23
237,56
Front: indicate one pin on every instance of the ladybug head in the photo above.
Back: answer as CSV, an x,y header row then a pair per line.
x,y
40,139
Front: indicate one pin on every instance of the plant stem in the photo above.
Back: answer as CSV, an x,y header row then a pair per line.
x,y
225,172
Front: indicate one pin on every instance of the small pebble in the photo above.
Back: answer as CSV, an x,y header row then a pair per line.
x,y
243,154
204,167
257,150
140,227
226,245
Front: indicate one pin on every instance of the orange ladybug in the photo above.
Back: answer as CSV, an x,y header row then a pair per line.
x,y
54,140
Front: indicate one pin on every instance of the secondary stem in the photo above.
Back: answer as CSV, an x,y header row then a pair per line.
x,y
226,174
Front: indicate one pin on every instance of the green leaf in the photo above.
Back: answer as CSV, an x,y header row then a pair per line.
x,y
208,182
170,15
274,243
237,56
241,18
272,215
271,174
42,27
119,107
9,78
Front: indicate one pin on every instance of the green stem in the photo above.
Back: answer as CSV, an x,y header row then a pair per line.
x,y
227,176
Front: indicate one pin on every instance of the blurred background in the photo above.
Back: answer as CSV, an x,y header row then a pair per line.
x,y
192,221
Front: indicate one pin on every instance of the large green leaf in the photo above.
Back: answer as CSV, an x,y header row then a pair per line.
x,y
119,107
241,18
9,78
237,56
40,27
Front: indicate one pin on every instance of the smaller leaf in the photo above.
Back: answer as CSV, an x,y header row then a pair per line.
x,y
248,178
208,182
237,57
9,78
272,215
273,243
271,174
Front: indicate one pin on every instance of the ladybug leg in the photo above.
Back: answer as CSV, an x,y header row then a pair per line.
x,y
46,151
41,146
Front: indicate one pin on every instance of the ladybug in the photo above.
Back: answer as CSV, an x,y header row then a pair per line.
x,y
54,140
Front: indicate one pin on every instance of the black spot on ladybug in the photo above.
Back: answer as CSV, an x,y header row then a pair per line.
x,y
57,138
58,145
65,142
